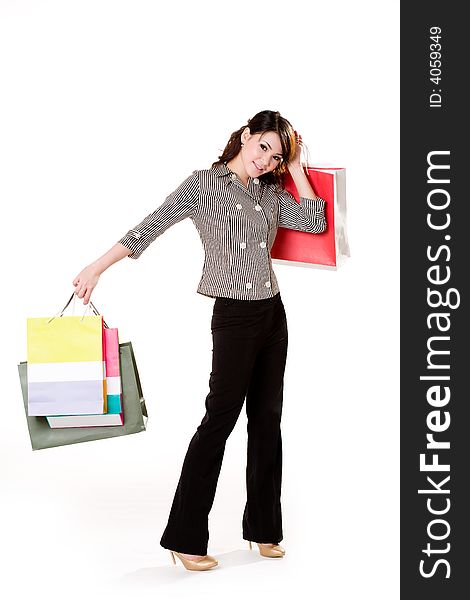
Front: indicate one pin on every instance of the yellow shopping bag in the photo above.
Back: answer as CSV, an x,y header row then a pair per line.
x,y
66,369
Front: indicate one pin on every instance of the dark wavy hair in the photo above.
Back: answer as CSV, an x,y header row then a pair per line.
x,y
262,122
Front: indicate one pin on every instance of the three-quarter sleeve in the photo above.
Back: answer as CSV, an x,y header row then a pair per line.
x,y
178,205
309,215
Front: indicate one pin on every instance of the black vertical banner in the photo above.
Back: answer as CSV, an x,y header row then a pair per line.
x,y
435,348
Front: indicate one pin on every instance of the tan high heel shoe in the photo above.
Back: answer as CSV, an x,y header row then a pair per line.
x,y
274,551
202,564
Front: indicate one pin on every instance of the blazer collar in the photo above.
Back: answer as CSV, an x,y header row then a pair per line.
x,y
222,170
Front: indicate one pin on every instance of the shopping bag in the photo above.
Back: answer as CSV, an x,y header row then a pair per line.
x,y
330,248
135,413
113,371
114,415
66,365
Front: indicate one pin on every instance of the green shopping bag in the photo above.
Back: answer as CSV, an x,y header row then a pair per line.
x,y
135,411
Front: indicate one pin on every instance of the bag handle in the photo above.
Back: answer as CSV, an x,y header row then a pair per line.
x,y
90,305
306,156
95,310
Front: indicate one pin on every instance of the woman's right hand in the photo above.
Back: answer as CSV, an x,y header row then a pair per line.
x,y
85,282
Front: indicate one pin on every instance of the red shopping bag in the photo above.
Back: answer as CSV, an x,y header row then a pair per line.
x,y
330,248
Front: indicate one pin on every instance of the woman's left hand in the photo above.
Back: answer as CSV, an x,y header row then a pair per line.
x,y
295,162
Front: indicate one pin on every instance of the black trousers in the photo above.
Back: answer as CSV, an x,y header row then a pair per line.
x,y
248,360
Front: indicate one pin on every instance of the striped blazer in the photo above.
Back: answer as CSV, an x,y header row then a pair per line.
x,y
237,225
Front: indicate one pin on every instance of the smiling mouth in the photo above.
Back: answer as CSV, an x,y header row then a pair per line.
x,y
257,167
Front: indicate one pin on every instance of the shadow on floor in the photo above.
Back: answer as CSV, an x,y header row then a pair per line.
x,y
167,574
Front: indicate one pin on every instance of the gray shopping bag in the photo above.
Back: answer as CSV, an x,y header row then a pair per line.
x,y
135,411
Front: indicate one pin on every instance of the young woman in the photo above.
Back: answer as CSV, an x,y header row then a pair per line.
x,y
237,206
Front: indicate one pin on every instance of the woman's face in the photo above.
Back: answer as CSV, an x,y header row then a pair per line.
x,y
261,152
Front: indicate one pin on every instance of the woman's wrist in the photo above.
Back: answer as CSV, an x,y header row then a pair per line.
x,y
117,252
295,168
97,267
304,189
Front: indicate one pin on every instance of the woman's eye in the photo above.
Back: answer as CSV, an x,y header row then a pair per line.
x,y
277,158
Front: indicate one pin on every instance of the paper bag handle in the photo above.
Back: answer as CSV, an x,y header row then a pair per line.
x,y
90,305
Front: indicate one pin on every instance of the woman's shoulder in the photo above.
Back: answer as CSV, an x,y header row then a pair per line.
x,y
208,171
216,173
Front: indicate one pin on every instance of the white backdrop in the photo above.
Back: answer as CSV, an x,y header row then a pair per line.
x,y
105,107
